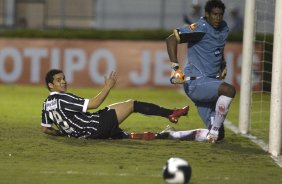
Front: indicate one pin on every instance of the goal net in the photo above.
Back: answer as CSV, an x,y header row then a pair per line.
x,y
262,117
262,66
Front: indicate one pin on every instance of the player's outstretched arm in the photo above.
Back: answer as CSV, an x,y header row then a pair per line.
x,y
110,82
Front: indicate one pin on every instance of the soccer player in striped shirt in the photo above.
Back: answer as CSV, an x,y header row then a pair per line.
x,y
69,114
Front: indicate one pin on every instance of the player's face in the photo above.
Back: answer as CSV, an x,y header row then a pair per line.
x,y
59,83
215,17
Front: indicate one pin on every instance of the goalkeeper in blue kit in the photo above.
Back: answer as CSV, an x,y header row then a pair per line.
x,y
206,67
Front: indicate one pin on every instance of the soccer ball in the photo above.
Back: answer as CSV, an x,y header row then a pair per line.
x,y
177,171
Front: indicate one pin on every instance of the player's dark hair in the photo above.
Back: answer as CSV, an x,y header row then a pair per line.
x,y
214,4
50,76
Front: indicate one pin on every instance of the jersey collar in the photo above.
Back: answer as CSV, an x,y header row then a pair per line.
x,y
54,92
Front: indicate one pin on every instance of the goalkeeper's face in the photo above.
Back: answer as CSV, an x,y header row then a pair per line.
x,y
59,83
215,17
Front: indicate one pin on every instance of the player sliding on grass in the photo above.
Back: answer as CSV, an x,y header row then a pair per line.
x,y
206,67
69,112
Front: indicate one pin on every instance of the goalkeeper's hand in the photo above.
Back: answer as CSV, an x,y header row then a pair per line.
x,y
177,76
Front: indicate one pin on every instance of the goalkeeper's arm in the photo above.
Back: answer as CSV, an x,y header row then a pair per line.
x,y
171,43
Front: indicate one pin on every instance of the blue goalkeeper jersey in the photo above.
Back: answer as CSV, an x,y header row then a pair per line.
x,y
205,47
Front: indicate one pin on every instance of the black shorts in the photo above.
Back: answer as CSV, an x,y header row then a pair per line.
x,y
109,126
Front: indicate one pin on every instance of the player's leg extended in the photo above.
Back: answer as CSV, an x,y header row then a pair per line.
x,y
156,110
185,135
124,109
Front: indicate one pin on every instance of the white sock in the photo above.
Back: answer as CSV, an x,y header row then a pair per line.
x,y
200,136
181,134
221,110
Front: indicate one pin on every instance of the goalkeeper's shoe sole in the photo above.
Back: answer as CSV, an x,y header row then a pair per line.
x,y
177,113
145,136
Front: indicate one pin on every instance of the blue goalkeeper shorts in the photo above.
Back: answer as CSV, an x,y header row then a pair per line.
x,y
204,93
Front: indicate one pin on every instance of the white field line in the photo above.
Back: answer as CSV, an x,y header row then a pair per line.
x,y
71,172
254,139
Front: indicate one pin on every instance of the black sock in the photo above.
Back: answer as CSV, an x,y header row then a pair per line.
x,y
151,109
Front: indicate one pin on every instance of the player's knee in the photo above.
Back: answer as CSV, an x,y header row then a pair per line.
x,y
227,90
131,103
232,91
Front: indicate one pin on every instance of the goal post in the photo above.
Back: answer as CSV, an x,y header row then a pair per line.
x,y
262,109
246,71
276,86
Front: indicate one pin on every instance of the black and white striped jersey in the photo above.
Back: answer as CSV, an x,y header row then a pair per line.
x,y
69,113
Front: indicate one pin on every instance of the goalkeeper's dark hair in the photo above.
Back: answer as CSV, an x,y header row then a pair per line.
x,y
214,4
50,76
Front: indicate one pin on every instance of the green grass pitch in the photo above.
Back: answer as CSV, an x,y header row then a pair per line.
x,y
29,156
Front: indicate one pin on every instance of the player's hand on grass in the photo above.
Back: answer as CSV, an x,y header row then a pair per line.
x,y
110,81
177,76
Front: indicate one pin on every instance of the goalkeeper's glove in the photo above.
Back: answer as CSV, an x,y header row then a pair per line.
x,y
177,76
222,74
223,71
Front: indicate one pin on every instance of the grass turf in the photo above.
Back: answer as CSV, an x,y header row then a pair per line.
x,y
29,156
